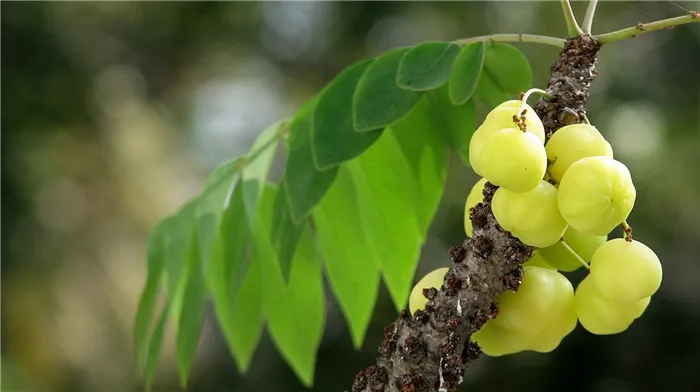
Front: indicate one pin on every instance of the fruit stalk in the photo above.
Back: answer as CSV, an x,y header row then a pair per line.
x,y
431,350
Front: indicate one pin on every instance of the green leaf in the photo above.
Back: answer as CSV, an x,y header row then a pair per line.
x,y
456,123
211,206
257,166
228,280
178,243
352,265
465,72
426,154
303,184
506,74
427,66
247,325
193,308
378,101
296,309
388,194
285,233
334,139
154,347
147,303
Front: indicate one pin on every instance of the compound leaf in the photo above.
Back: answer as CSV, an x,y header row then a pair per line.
x,y
427,66
378,101
505,75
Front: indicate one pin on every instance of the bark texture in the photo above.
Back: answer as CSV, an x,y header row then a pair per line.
x,y
431,350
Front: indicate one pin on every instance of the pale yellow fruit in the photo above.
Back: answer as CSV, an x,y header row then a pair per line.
x,y
501,118
601,316
475,197
434,279
514,160
626,271
571,143
537,261
531,216
583,245
596,194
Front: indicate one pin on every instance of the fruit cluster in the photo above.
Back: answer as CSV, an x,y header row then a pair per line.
x,y
563,198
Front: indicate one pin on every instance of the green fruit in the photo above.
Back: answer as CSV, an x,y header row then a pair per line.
x,y
625,271
601,316
596,194
542,295
531,216
583,244
574,142
501,118
561,258
536,317
434,279
514,160
496,342
475,197
558,328
537,261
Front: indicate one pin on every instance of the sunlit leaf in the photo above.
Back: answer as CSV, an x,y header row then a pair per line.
x,y
294,309
285,233
465,72
178,243
378,101
257,166
388,194
211,205
303,183
193,307
147,302
154,347
426,154
427,66
352,266
456,123
333,136
505,75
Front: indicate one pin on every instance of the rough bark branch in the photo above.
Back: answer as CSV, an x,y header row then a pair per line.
x,y
431,350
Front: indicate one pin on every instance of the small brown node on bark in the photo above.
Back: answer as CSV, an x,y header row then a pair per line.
x,y
452,285
640,26
457,253
430,293
694,14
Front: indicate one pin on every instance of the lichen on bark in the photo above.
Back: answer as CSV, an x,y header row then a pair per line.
x,y
430,350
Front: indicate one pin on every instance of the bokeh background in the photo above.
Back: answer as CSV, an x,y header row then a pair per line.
x,y
113,113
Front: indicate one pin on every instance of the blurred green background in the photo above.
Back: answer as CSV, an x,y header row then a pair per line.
x,y
114,113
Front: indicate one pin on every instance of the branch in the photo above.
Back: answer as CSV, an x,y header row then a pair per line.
x,y
530,38
572,26
588,18
430,351
642,28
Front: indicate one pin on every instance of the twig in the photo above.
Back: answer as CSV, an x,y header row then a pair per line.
x,y
643,28
529,38
588,18
572,26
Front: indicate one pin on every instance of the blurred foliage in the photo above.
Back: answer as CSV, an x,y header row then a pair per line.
x,y
113,114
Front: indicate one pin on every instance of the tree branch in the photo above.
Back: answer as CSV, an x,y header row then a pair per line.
x,y
530,38
430,351
643,28
588,18
572,26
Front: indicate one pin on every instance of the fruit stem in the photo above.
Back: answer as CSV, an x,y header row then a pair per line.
x,y
572,26
529,38
576,256
519,117
627,229
588,18
642,28
585,119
